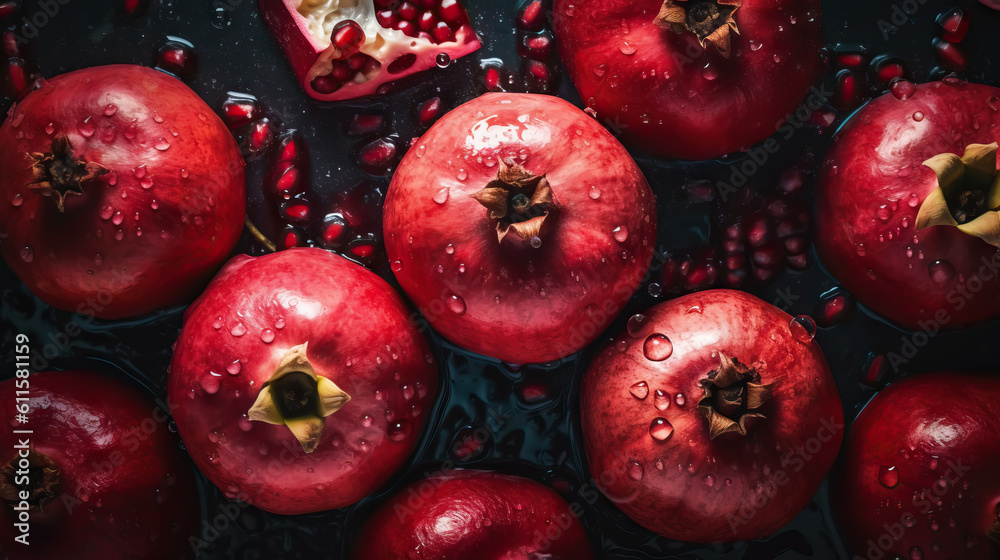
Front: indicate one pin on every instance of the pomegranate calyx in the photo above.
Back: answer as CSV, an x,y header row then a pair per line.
x,y
709,20
732,395
968,193
43,480
994,531
59,173
298,398
518,200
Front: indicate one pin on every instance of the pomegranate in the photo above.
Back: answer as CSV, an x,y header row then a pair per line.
x,y
690,79
713,418
343,50
93,468
475,514
906,209
918,477
122,191
519,226
299,382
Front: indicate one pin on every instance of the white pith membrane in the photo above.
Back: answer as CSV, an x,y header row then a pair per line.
x,y
384,45
327,399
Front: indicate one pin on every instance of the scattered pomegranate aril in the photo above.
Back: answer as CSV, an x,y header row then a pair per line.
x,y
289,172
834,308
536,47
429,111
132,8
292,236
16,78
8,9
378,157
260,137
10,47
532,16
851,61
178,57
886,70
334,229
847,95
950,54
363,248
296,210
954,24
363,124
347,36
239,109
493,79
875,370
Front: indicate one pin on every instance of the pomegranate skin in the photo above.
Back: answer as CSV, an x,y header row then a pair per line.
x,y
687,486
147,234
358,335
510,300
913,435
672,98
126,490
875,170
474,514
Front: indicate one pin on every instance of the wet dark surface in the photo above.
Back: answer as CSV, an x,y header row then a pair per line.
x,y
535,436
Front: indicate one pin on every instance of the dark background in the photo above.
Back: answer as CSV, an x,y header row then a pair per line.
x,y
535,437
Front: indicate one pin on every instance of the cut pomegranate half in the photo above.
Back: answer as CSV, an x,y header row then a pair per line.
x,y
343,49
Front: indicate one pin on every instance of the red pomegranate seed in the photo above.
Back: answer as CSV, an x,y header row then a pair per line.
x,y
791,181
7,9
387,19
363,124
538,70
537,47
442,33
768,256
427,21
701,276
798,262
847,93
342,72
325,84
874,373
796,244
239,109
292,238
334,228
10,47
532,17
736,261
297,211
347,36
289,182
408,11
889,69
132,8
758,232
408,28
493,79
178,57
363,250
853,61
378,156
955,25
450,12
429,111
950,54
17,75
834,309
261,135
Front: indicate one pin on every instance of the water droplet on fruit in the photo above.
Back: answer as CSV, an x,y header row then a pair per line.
x,y
661,400
755,45
267,336
918,116
639,390
146,183
17,199
217,324
595,193
156,117
535,242
657,347
400,430
456,304
709,72
660,429
620,233
941,272
777,58
210,383
450,249
161,144
679,399
86,128
442,195
397,266
27,254
233,367
442,60
626,49
49,129
883,213
238,330
888,476
916,553
279,323
902,89
634,324
803,328
461,175
709,480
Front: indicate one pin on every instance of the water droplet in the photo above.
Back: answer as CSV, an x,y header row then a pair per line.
x,y
777,58
600,70
661,400
916,553
110,109
803,328
217,324
210,383
918,116
626,49
267,336
397,266
902,89
146,183
456,304
635,323
595,193
941,271
888,476
442,60
709,72
161,144
883,213
657,347
279,323
86,128
755,45
679,399
635,470
639,390
238,330
535,242
27,254
450,249
620,233
157,117
660,429
400,430
49,129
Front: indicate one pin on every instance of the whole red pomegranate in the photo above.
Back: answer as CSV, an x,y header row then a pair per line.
x,y
350,49
905,206
713,418
691,79
519,226
122,191
475,514
299,381
93,471
919,475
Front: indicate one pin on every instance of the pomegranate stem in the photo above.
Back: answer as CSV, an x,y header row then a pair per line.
x,y
256,233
